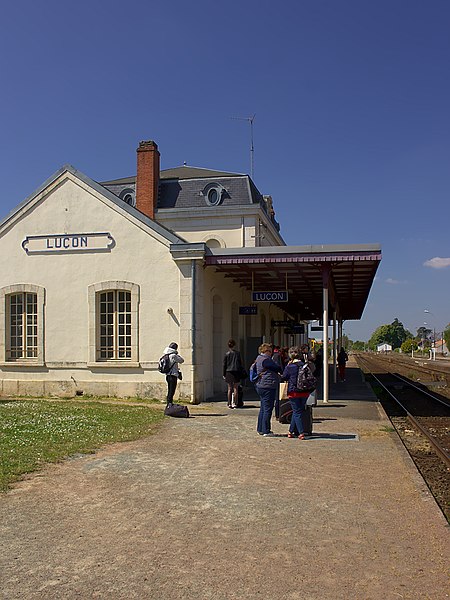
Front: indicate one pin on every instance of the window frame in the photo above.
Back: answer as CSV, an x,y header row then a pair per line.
x,y
94,292
5,324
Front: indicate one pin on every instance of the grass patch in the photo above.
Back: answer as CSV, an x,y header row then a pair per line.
x,y
387,429
35,432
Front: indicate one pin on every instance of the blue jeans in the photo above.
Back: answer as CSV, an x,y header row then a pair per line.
x,y
298,409
267,397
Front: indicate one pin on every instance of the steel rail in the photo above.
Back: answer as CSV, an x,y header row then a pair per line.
x,y
420,389
440,451
418,364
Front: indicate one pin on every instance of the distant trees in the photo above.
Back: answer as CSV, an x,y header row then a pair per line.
x,y
358,346
423,333
446,336
394,334
408,346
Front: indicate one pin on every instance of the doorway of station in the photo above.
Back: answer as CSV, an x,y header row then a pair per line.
x,y
251,350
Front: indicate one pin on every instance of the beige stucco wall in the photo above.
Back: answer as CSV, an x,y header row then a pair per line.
x,y
236,227
140,257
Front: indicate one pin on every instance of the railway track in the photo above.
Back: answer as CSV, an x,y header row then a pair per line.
x,y
421,419
433,374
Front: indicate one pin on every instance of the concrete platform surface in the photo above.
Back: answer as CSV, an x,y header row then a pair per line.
x,y
205,508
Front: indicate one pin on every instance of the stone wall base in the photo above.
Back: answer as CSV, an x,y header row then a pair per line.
x,y
68,389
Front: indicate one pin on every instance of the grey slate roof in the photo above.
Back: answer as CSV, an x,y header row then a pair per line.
x,y
182,172
182,187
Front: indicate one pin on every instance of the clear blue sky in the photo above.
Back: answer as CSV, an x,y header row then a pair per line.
x,y
352,127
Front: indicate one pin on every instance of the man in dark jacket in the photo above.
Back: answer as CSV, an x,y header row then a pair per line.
x,y
233,372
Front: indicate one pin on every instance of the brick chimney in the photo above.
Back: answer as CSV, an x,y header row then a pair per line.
x,y
147,180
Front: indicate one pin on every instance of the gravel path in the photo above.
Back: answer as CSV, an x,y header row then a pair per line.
x,y
206,509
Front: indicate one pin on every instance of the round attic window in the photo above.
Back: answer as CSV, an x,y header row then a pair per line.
x,y
213,194
127,196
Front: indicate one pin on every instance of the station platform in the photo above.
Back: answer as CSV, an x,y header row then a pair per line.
x,y
207,509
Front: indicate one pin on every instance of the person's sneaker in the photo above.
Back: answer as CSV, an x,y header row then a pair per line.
x,y
291,435
270,434
301,436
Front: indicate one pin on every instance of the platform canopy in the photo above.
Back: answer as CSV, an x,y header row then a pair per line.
x,y
303,271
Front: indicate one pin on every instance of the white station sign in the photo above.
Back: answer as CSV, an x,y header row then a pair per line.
x,y
68,242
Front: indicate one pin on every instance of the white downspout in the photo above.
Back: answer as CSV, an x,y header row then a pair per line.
x,y
193,332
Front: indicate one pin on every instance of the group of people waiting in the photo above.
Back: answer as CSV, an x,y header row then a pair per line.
x,y
272,368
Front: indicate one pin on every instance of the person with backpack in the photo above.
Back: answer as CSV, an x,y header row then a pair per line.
x,y
296,395
266,384
233,372
168,364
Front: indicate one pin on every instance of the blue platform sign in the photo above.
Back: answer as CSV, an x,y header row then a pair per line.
x,y
248,310
270,296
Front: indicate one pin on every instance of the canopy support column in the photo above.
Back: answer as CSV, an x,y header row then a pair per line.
x,y
325,279
334,347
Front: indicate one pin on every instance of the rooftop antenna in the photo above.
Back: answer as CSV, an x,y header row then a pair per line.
x,y
252,148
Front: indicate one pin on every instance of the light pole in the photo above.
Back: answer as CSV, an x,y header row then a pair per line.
x,y
433,348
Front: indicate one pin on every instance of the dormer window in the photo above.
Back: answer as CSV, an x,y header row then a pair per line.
x,y
128,196
213,193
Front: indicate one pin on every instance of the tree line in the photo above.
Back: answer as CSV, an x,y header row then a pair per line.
x,y
399,338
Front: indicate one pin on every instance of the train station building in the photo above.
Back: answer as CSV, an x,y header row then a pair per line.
x,y
100,277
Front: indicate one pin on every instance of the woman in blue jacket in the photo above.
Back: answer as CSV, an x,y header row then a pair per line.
x,y
266,387
297,399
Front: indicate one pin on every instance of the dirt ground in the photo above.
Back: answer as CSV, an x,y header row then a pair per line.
x,y
207,509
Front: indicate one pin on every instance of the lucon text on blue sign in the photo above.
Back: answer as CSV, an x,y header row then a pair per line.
x,y
270,296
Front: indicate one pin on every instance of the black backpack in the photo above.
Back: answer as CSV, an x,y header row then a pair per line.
x,y
306,381
164,364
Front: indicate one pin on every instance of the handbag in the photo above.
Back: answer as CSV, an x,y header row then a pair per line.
x,y
312,399
283,390
180,375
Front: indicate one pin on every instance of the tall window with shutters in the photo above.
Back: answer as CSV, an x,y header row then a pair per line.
x,y
22,324
114,328
113,323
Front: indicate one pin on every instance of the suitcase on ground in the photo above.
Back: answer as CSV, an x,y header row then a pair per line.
x,y
240,402
176,410
308,420
286,415
285,411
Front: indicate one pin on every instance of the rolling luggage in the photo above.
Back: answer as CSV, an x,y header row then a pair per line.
x,y
286,414
176,410
285,411
240,399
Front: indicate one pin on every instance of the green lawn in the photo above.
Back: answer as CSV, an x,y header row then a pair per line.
x,y
34,432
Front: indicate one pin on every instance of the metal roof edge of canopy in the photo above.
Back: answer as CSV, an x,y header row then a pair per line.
x,y
312,253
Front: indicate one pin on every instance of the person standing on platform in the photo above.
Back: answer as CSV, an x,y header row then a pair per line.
x,y
342,358
233,372
174,373
278,359
266,386
318,361
297,399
